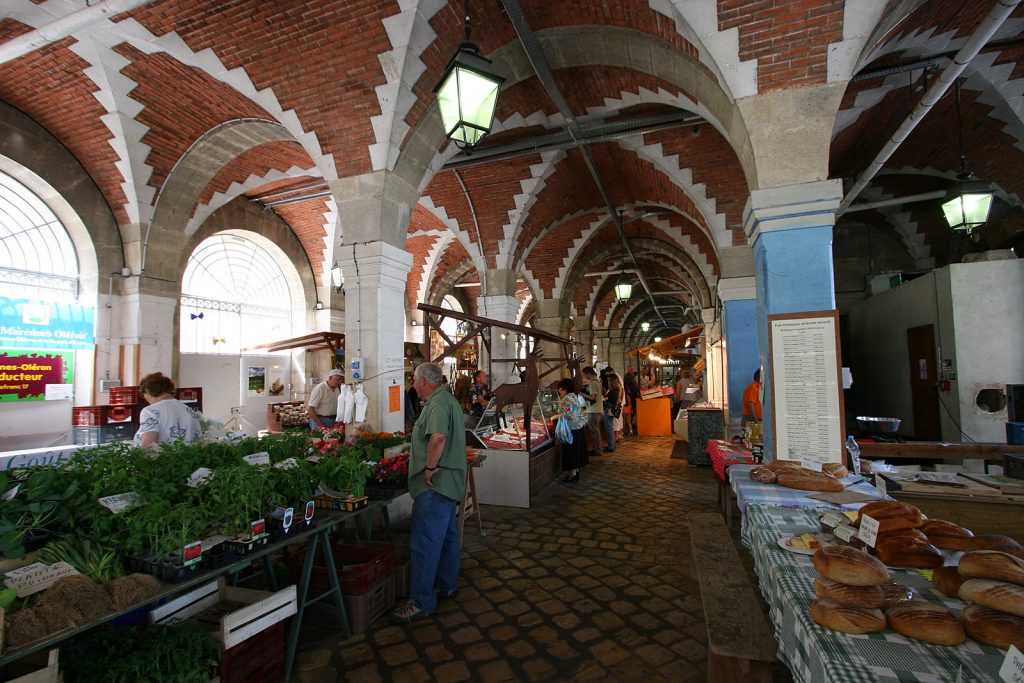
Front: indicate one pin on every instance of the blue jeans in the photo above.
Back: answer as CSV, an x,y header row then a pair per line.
x,y
328,422
433,549
609,430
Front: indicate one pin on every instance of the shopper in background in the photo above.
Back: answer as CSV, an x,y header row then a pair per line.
x,y
646,379
682,384
574,455
612,410
479,395
166,418
632,390
322,406
752,399
617,421
437,483
595,409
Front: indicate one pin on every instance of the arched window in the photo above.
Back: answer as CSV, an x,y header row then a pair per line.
x,y
37,256
234,295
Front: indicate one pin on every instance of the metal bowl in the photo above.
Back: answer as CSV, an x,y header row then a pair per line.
x,y
883,425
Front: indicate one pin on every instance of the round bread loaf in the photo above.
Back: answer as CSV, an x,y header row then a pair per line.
x,y
907,548
925,621
835,470
896,594
847,619
763,474
992,627
808,480
995,542
845,594
1005,597
992,564
946,535
891,515
948,580
845,564
779,465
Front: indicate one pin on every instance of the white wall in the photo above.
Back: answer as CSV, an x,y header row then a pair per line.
x,y
989,322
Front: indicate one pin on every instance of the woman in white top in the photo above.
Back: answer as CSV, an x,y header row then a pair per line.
x,y
165,418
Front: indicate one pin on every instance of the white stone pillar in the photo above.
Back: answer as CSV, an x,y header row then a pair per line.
x,y
503,308
375,276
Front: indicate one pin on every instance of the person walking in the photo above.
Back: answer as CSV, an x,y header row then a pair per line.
x,y
594,409
612,410
437,483
322,406
632,389
574,455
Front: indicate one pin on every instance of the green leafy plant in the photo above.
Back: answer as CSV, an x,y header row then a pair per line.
x,y
89,557
183,653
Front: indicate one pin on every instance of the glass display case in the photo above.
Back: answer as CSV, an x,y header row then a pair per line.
x,y
507,431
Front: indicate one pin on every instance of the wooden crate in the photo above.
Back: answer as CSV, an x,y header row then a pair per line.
x,y
237,613
38,667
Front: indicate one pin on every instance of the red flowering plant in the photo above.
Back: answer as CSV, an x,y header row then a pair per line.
x,y
392,470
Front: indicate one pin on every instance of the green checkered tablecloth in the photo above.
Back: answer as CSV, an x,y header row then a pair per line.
x,y
817,654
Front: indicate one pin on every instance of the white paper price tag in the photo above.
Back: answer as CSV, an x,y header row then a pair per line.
x,y
200,476
120,502
811,464
1012,670
11,493
36,577
287,464
258,459
880,485
868,530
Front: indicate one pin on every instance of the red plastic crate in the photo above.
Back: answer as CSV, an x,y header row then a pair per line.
x,y
124,396
121,413
360,567
260,659
89,416
189,394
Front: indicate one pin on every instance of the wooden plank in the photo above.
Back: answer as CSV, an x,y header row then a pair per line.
x,y
246,622
938,450
187,605
737,629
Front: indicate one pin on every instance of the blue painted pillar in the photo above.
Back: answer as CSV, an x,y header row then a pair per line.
x,y
790,229
739,325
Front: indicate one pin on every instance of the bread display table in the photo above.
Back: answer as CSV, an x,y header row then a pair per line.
x,y
814,653
723,454
749,492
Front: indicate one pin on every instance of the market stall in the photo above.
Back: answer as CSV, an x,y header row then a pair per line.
x,y
516,429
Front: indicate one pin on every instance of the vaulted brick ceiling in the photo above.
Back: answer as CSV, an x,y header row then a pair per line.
x,y
348,81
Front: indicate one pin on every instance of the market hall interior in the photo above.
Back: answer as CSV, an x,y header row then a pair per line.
x,y
198,181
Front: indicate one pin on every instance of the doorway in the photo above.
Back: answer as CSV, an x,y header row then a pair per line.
x,y
923,382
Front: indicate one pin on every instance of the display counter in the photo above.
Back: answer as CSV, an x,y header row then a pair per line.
x,y
705,422
654,417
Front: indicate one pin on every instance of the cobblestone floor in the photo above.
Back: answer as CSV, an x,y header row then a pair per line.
x,y
592,583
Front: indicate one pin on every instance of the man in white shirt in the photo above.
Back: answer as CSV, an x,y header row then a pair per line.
x,y
594,409
323,401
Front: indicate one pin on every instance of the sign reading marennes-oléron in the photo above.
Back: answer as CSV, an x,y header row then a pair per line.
x,y
27,324
25,374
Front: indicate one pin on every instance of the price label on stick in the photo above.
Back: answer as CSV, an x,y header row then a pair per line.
x,y
36,577
258,459
868,530
1012,670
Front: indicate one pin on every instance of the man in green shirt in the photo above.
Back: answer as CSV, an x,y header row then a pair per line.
x,y
437,483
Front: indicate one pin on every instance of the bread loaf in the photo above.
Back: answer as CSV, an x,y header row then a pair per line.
x,y
762,474
779,465
992,564
847,619
896,594
907,548
996,542
891,515
1005,597
835,470
948,580
943,534
925,621
993,627
808,480
848,565
844,594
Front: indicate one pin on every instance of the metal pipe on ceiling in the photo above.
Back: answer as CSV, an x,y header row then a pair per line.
x,y
896,201
539,62
294,200
63,27
999,13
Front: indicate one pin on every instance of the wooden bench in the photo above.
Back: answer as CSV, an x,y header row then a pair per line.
x,y
741,646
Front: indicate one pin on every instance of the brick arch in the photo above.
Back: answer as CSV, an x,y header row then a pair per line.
x,y
605,310
453,265
424,149
190,177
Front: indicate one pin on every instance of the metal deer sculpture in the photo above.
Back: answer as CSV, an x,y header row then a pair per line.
x,y
524,392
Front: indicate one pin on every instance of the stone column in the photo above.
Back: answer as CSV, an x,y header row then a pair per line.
x,y
147,320
739,325
375,276
790,229
616,356
504,308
